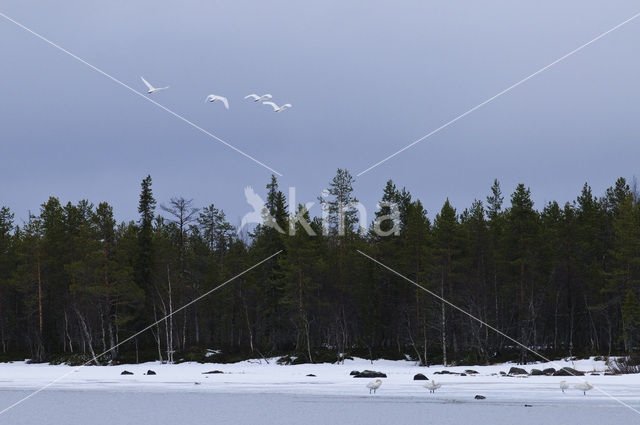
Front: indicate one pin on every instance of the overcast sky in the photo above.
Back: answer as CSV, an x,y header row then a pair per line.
x,y
365,79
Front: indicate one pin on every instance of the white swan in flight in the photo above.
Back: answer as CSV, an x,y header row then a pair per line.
x,y
564,385
257,98
151,88
584,387
277,108
213,98
432,386
374,385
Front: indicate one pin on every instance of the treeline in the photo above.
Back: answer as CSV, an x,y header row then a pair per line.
x,y
562,280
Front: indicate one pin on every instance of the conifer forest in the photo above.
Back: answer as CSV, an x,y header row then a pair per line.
x,y
563,279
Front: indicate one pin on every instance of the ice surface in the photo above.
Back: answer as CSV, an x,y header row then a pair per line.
x,y
110,408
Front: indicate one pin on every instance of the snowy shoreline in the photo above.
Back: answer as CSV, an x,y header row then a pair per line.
x,y
256,376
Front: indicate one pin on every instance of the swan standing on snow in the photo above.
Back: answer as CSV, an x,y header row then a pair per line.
x,y
257,98
213,98
584,387
432,386
374,385
564,385
277,108
151,88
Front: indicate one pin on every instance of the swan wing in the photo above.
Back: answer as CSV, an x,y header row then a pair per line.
x,y
273,105
252,96
225,101
146,83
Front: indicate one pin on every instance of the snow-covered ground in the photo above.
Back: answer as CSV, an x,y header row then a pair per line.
x,y
257,383
259,376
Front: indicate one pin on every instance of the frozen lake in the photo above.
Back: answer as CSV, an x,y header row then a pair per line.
x,y
256,392
134,407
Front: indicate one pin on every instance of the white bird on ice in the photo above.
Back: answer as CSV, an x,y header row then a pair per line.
x,y
374,385
432,386
257,98
151,88
564,385
584,387
277,108
213,98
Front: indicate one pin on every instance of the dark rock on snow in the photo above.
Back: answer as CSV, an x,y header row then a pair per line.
x,y
126,372
463,374
567,371
311,374
471,372
517,371
549,371
150,372
354,372
479,397
370,374
212,372
420,377
536,372
443,372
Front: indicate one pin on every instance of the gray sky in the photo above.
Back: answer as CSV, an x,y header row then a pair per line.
x,y
365,78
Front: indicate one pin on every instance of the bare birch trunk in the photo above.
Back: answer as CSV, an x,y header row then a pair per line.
x,y
444,324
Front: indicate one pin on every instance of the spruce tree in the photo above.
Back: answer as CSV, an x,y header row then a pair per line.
x,y
144,264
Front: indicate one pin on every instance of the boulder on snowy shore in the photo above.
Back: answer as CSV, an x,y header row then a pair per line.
x,y
536,372
549,371
354,372
517,371
567,371
126,372
150,372
471,372
212,372
479,397
370,374
420,377
312,375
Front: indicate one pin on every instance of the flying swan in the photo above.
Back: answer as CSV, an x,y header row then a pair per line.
x,y
432,386
151,88
584,387
277,108
374,385
213,98
257,98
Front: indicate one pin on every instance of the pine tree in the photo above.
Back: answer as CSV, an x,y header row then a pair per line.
x,y
630,321
28,279
301,267
416,238
144,263
7,266
446,246
522,222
